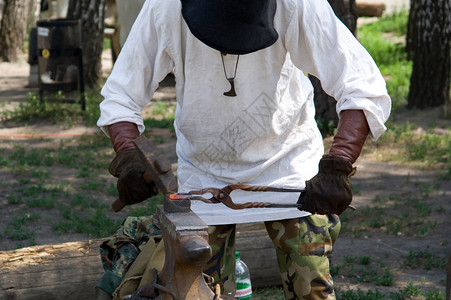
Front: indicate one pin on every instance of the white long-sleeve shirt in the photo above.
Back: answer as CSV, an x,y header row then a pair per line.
x,y
267,134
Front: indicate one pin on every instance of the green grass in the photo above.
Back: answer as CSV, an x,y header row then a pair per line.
x,y
159,123
84,201
22,229
106,44
83,196
423,150
145,208
389,53
88,157
395,215
94,223
163,109
162,115
273,293
42,201
394,23
411,291
54,108
363,269
40,186
31,157
424,259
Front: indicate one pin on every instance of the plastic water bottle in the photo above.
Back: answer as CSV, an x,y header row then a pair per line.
x,y
242,279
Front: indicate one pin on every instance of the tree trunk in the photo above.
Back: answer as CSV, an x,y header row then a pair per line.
x,y
346,11
14,26
326,115
430,80
411,29
92,15
33,13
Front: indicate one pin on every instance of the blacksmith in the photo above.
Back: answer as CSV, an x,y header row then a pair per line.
x,y
245,114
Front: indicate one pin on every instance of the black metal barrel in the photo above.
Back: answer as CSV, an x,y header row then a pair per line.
x,y
60,59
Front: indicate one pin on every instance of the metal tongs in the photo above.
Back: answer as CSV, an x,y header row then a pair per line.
x,y
222,195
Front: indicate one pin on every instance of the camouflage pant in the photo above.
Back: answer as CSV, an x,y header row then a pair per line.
x,y
120,250
302,247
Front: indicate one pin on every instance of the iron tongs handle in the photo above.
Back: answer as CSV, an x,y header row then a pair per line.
x,y
223,196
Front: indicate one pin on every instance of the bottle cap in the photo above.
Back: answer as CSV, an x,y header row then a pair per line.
x,y
237,254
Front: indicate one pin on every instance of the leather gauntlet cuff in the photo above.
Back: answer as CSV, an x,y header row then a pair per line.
x,y
352,132
122,135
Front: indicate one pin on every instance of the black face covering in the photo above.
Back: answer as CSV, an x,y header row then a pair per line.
x,y
232,26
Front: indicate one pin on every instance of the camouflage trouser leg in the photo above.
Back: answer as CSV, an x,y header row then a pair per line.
x,y
221,265
302,246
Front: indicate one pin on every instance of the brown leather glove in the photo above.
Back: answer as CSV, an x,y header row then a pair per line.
x,y
330,191
128,166
122,135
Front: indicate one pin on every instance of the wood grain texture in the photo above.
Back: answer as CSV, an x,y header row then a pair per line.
x,y
71,270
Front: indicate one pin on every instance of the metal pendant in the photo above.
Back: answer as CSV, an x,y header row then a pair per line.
x,y
231,92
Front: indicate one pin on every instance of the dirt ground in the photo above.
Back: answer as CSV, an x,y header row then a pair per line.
x,y
375,180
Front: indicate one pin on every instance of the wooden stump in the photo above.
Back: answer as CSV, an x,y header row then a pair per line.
x,y
366,9
64,271
70,271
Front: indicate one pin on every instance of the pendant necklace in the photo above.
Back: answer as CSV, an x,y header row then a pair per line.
x,y
231,92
